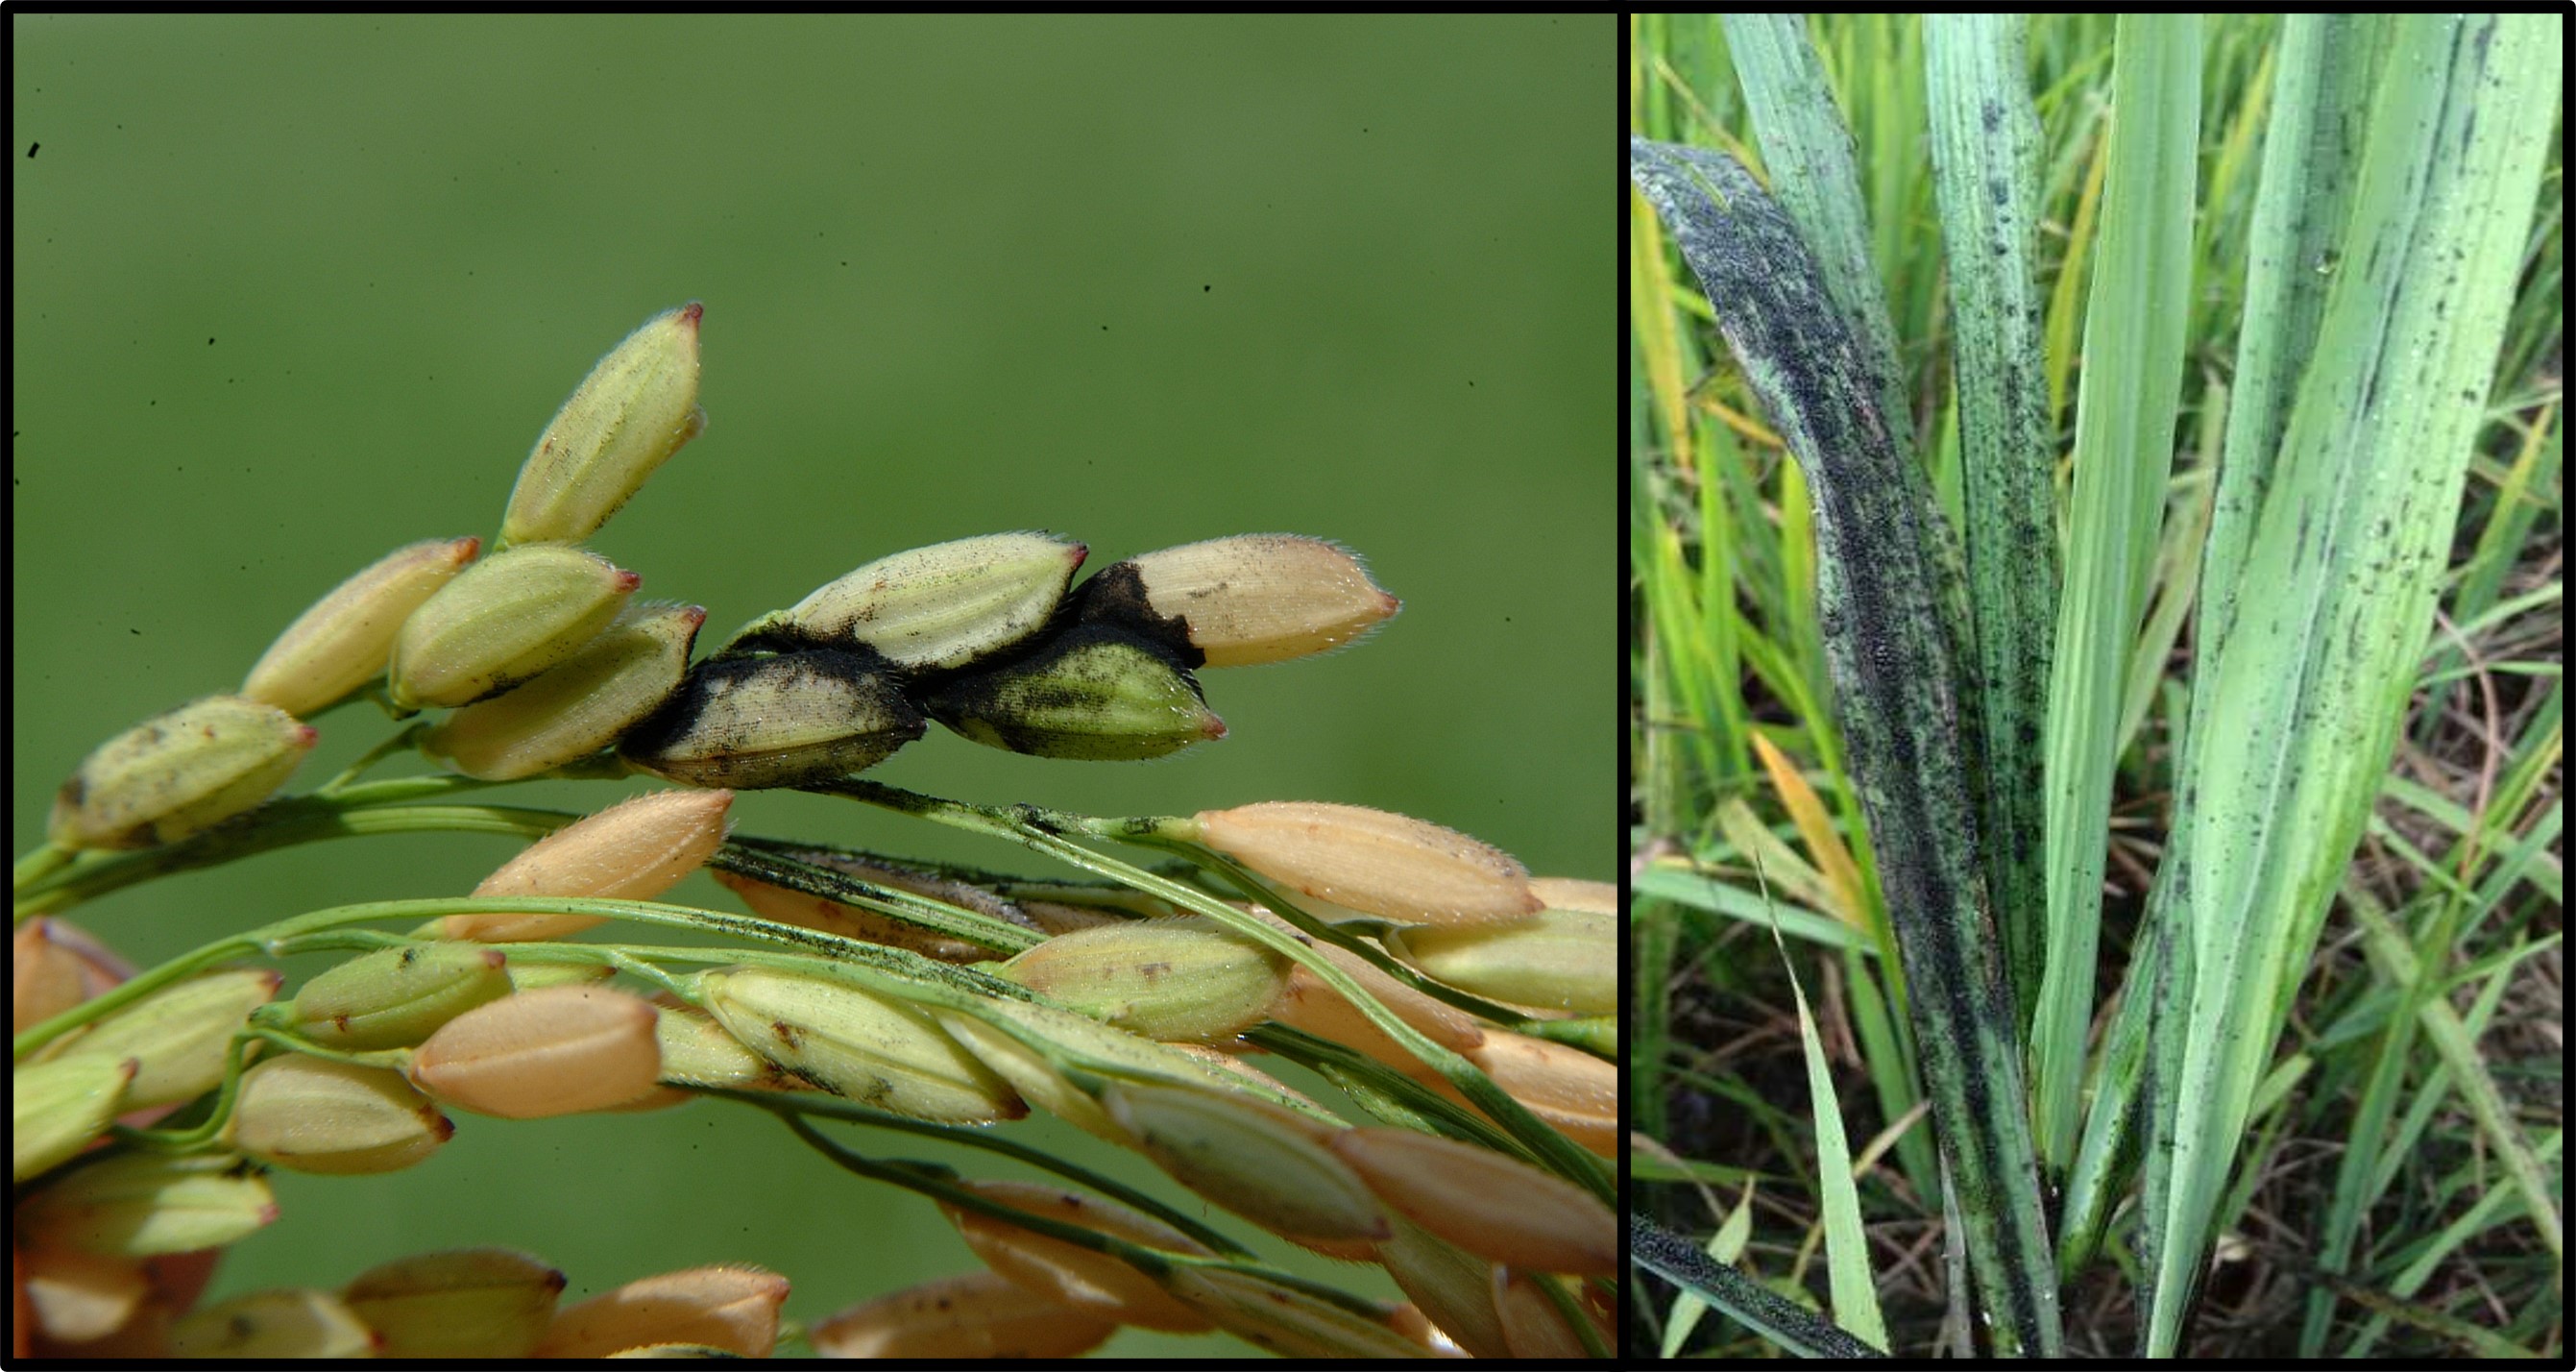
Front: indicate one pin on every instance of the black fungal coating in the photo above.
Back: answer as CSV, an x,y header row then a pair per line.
x,y
1077,695
720,728
778,638
1881,581
1107,678
1035,818
2011,553
714,677
1115,595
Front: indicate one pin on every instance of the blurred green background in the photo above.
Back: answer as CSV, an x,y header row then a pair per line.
x,y
291,292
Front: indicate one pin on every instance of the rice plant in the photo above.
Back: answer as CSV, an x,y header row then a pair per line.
x,y
2092,796
1448,1012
